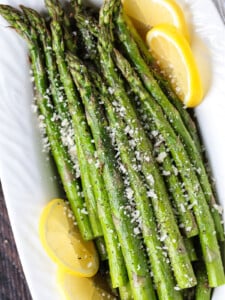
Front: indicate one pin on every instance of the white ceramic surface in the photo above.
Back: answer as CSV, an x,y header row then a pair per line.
x,y
25,171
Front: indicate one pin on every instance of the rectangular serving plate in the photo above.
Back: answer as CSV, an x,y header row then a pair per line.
x,y
26,173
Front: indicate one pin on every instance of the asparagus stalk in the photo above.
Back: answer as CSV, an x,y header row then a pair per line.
x,y
189,294
61,106
87,22
56,11
84,138
186,218
165,289
164,84
203,290
185,215
172,115
201,210
162,207
189,245
125,292
101,247
88,28
137,265
163,277
60,155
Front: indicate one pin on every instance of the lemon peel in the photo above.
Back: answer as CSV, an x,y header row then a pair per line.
x,y
63,243
151,13
175,58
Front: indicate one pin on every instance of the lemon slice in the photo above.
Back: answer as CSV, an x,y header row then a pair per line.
x,y
76,288
150,13
132,9
63,243
174,56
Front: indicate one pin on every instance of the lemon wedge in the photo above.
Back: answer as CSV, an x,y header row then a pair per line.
x,y
62,241
76,288
149,13
173,54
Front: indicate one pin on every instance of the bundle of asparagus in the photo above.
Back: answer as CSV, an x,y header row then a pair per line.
x,y
127,152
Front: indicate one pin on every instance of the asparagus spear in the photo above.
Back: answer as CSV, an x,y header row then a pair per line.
x,y
101,247
88,22
163,277
171,113
158,257
58,13
164,84
84,138
162,207
65,169
137,265
61,106
125,292
87,187
203,290
88,28
185,216
189,245
201,210
162,273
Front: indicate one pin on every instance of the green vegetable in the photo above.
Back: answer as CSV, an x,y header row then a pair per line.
x,y
189,245
203,290
201,210
162,207
62,160
61,109
134,255
164,84
170,111
83,139
162,274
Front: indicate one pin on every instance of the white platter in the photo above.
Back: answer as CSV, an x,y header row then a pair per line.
x,y
26,175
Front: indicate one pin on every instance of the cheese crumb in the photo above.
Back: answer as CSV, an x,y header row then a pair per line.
x,y
160,158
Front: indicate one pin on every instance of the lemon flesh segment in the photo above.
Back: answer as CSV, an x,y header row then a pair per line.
x,y
76,288
177,62
155,12
63,243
